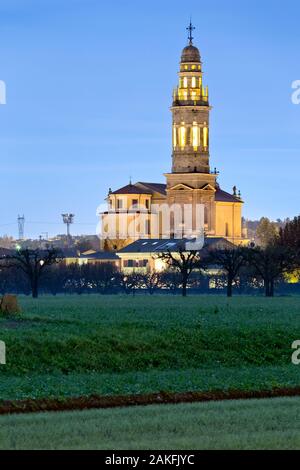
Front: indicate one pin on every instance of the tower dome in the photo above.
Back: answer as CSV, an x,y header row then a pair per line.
x,y
190,54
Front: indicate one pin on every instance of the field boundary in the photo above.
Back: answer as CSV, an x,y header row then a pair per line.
x,y
123,401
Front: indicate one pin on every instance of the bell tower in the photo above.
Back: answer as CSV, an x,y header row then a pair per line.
x,y
190,112
191,183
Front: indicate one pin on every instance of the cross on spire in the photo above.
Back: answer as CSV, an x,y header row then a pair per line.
x,y
190,29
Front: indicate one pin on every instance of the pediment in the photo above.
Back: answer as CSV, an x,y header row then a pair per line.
x,y
181,187
208,187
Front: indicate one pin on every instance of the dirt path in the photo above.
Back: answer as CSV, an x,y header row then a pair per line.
x,y
97,401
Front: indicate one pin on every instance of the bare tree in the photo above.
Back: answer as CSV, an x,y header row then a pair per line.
x,y
171,279
229,260
32,263
130,282
152,281
184,262
271,263
100,276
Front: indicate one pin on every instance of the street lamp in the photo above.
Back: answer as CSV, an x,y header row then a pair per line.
x,y
68,219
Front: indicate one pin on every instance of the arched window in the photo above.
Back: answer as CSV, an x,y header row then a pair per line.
x,y
174,137
195,136
182,136
205,137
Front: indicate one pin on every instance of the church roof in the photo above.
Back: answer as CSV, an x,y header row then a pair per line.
x,y
223,196
155,187
131,189
150,188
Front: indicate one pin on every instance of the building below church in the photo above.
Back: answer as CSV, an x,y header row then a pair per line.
x,y
140,211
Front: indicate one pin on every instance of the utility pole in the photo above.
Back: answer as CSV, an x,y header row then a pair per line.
x,y
21,224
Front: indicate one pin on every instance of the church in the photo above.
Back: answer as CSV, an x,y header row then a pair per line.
x,y
134,211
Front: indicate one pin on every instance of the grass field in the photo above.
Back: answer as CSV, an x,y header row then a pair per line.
x,y
80,345
254,424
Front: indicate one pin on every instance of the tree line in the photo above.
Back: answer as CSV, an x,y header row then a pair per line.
x,y
244,269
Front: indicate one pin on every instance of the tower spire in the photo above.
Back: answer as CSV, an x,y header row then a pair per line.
x,y
190,29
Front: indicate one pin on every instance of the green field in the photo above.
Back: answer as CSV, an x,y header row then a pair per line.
x,y
80,345
254,424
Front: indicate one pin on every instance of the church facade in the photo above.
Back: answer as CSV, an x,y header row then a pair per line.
x,y
140,211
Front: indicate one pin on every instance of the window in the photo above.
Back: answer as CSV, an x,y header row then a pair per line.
x,y
226,230
174,137
182,136
196,137
185,82
135,203
147,227
143,263
120,204
193,82
147,204
206,215
205,137
170,245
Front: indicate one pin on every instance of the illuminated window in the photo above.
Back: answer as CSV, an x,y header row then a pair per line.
x,y
174,137
205,137
193,82
186,67
185,82
182,137
193,67
194,95
195,136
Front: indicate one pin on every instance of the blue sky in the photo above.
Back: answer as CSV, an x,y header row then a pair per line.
x,y
89,86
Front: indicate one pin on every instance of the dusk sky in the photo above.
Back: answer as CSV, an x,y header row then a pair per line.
x,y
89,87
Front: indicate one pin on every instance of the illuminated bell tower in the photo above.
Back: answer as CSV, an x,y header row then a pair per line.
x,y
190,112
191,183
